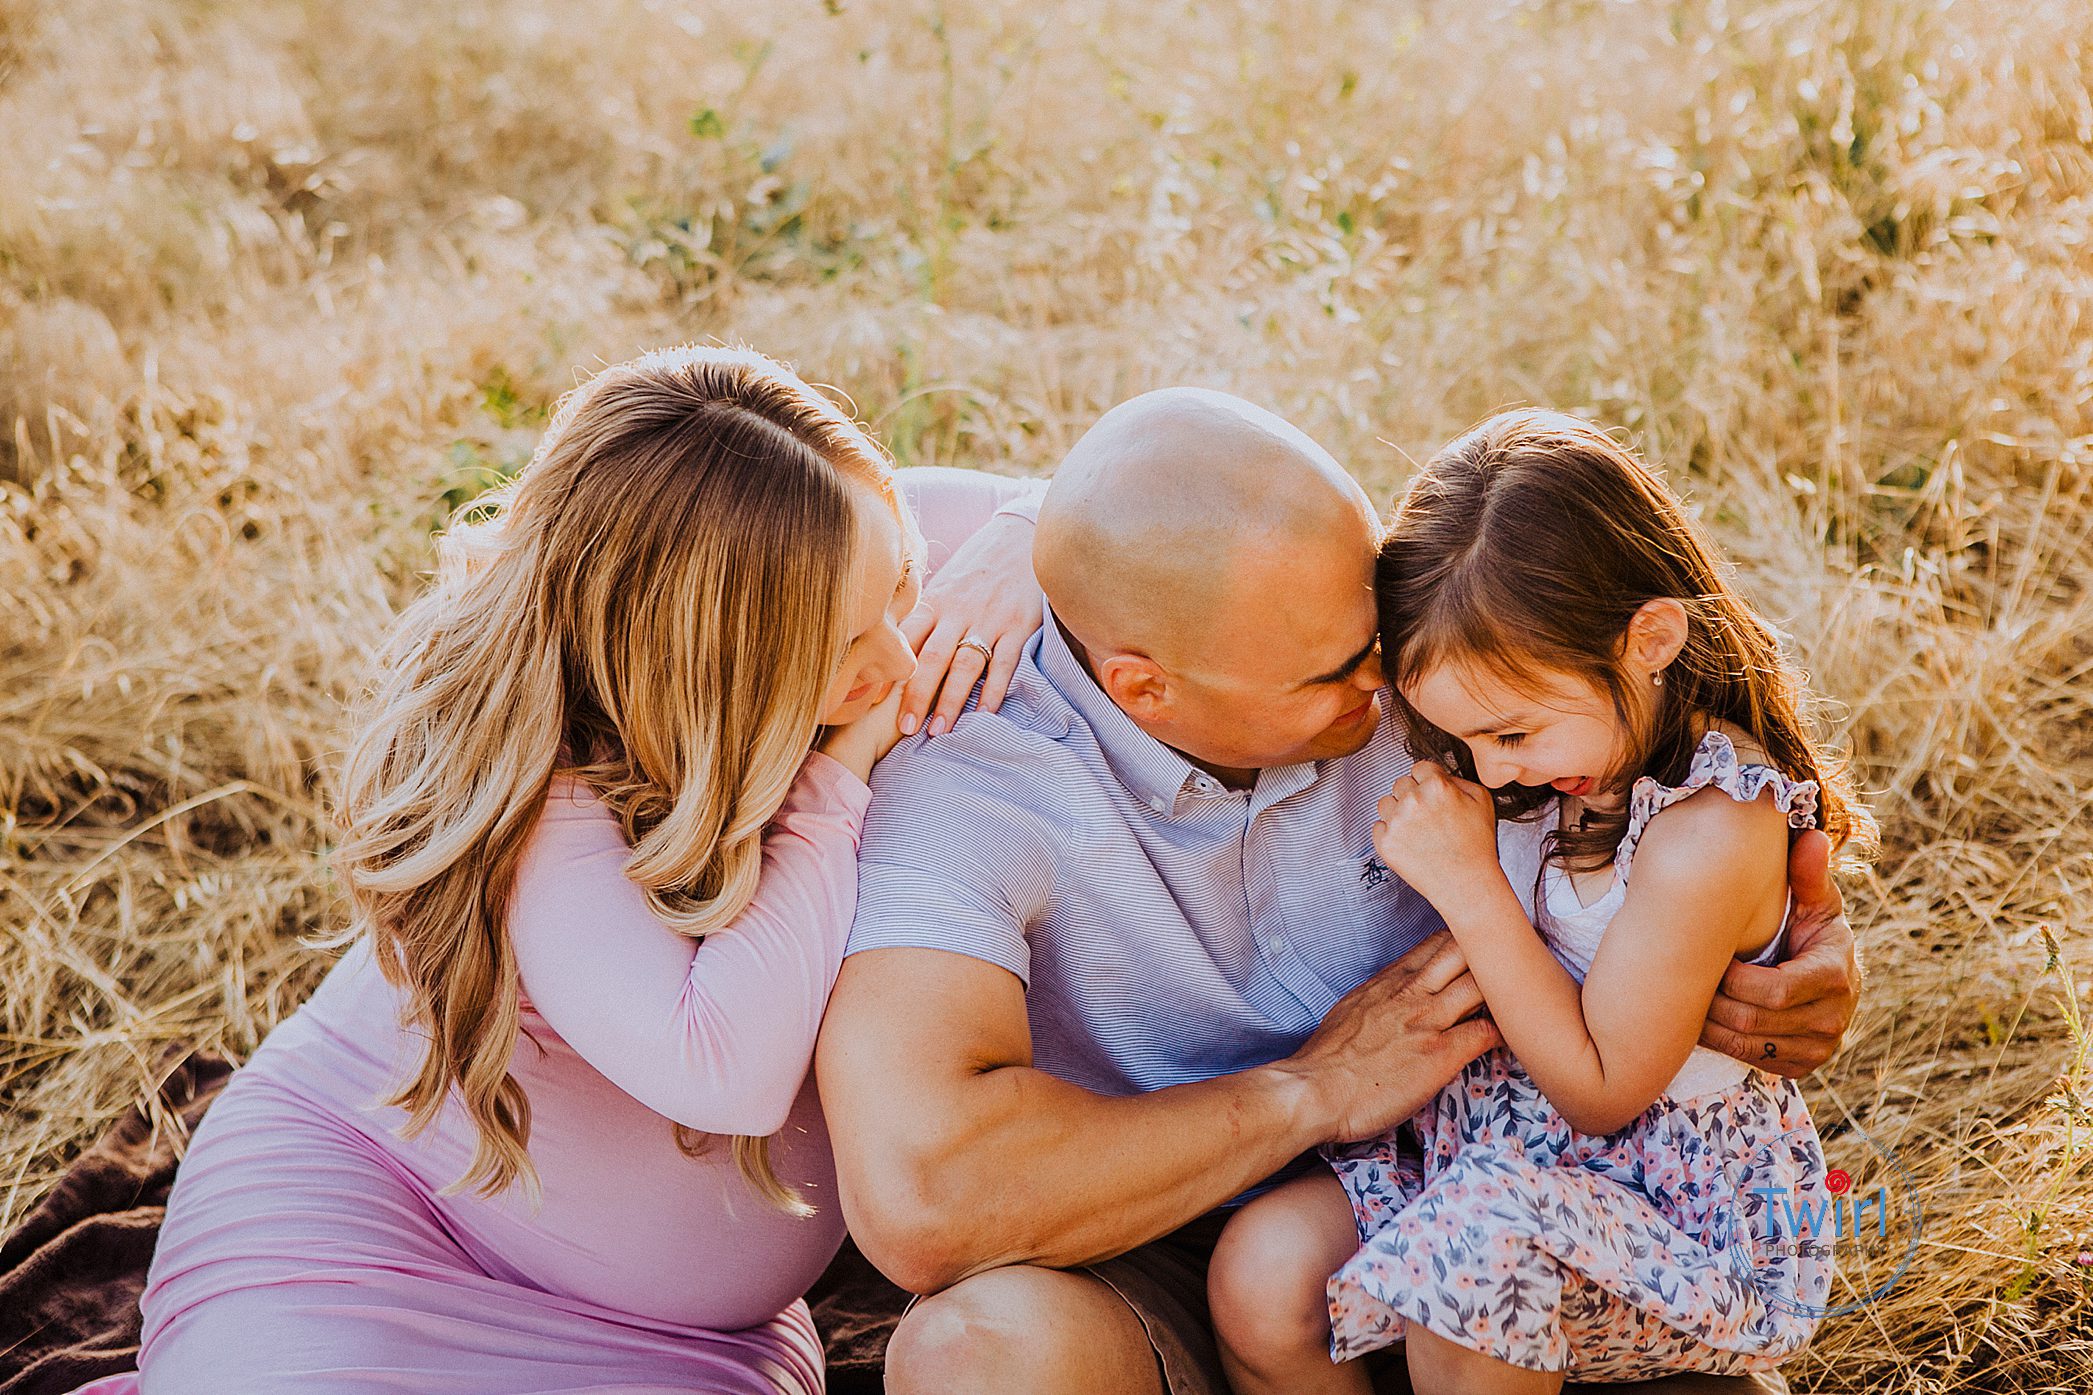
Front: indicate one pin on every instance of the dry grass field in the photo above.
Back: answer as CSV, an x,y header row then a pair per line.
x,y
281,284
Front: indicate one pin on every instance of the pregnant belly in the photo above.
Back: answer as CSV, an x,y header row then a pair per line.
x,y
627,1221
633,1224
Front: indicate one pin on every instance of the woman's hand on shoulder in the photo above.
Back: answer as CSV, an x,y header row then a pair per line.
x,y
862,744
987,592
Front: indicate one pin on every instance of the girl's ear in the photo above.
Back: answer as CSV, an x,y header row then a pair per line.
x,y
1656,634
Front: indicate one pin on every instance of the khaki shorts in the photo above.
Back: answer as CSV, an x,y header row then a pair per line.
x,y
1164,1282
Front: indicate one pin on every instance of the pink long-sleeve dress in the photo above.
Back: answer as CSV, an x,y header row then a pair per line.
x,y
307,1246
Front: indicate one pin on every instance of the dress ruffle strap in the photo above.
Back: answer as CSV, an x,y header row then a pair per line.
x,y
1715,762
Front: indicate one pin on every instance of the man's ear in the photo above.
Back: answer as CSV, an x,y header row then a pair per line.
x,y
1136,684
1656,634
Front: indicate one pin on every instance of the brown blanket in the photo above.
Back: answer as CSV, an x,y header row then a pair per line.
x,y
71,1274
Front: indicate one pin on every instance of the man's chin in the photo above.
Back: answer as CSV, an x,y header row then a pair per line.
x,y
1346,737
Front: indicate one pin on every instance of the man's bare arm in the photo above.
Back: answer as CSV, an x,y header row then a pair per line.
x,y
954,1155
1790,1017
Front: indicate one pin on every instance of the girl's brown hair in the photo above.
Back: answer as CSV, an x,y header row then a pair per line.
x,y
657,606
1530,543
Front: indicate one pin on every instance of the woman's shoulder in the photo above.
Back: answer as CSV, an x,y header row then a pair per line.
x,y
571,799
574,821
577,754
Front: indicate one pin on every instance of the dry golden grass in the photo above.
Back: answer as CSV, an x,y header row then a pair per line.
x,y
280,283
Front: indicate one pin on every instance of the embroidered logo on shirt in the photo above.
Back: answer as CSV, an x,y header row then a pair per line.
x,y
1374,872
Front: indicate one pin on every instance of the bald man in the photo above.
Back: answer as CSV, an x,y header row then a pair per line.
x,y
1123,950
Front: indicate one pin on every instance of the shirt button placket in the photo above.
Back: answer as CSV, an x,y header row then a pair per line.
x,y
1257,894
1268,923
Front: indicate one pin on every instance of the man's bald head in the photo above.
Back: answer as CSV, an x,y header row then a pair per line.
x,y
1173,507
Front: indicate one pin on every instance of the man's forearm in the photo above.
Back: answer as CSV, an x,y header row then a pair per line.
x,y
955,1155
1037,1171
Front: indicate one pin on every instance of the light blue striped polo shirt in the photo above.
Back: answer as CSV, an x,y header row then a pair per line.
x,y
1167,928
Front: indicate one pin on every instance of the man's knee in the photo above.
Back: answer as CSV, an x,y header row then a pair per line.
x,y
976,1329
1021,1329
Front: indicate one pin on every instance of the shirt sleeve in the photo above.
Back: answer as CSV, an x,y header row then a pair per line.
x,y
951,505
717,1033
958,854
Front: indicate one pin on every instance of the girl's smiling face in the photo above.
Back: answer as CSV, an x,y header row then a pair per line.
x,y
1555,729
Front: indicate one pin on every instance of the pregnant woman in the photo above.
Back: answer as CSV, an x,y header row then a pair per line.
x,y
548,1126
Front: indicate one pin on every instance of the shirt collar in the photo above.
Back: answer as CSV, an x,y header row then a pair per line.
x,y
1155,773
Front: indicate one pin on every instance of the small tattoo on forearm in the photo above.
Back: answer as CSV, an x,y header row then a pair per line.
x,y
1772,1051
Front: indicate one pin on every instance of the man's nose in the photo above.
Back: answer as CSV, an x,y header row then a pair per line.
x,y
1369,676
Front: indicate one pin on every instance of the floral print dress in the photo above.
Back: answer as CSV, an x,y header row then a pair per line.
x,y
1666,1246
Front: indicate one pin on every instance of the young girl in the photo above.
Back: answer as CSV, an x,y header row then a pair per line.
x,y
1581,1203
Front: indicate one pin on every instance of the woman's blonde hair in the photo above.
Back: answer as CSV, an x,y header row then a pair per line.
x,y
656,605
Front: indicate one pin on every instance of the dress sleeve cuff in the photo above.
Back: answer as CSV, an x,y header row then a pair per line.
x,y
1023,504
827,783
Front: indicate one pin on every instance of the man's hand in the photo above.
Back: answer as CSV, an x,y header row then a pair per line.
x,y
985,592
1789,1017
1390,1044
